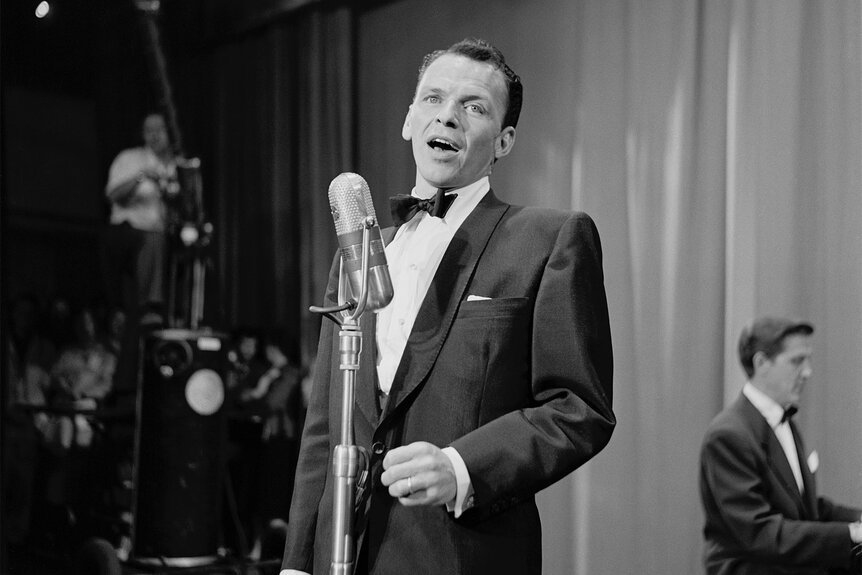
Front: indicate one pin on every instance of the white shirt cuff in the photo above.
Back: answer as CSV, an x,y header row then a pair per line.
x,y
464,494
292,572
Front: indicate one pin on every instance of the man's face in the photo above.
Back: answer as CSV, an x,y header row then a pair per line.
x,y
454,123
784,376
155,133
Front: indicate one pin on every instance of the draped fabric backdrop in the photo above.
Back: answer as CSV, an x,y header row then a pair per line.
x,y
284,101
716,144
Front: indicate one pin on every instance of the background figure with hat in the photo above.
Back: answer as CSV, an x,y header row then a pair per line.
x,y
757,479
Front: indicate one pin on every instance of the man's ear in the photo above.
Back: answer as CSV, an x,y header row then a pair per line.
x,y
504,142
405,129
759,361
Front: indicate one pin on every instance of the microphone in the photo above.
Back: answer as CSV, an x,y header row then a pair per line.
x,y
351,206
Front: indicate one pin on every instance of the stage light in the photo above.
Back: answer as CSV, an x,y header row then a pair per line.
x,y
42,9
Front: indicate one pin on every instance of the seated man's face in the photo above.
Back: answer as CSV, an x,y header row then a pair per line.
x,y
454,122
786,374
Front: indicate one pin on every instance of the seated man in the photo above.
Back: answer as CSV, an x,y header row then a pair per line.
x,y
757,482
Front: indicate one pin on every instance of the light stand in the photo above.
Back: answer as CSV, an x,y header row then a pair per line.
x,y
347,458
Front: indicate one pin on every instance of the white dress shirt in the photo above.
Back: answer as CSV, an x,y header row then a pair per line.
x,y
773,413
145,210
413,256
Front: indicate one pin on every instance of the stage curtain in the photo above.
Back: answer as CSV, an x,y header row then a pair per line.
x,y
719,144
284,128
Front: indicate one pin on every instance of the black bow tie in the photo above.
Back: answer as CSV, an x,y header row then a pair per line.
x,y
789,413
405,206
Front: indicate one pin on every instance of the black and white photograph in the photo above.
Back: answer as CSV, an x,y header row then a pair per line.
x,y
401,287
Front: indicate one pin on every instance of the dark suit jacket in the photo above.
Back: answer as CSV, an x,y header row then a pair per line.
x,y
757,522
519,384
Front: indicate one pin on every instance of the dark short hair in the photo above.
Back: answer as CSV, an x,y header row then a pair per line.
x,y
482,51
767,334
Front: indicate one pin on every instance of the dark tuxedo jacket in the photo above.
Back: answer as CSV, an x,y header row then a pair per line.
x,y
757,522
519,385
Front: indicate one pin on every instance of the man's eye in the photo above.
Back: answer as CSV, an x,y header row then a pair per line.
x,y
475,109
432,99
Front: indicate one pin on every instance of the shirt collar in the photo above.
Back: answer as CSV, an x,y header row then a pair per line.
x,y
768,407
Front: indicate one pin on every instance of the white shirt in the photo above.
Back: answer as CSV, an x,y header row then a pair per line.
x,y
145,210
773,413
413,256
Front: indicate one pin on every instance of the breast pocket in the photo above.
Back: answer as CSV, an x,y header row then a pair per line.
x,y
486,357
492,308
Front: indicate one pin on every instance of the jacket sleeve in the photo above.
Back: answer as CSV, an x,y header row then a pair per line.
x,y
570,418
831,511
314,454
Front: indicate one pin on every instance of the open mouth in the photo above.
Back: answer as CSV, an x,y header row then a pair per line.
x,y
442,145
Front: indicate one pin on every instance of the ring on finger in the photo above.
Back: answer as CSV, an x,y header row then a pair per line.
x,y
410,485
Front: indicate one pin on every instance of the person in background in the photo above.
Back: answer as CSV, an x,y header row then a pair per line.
x,y
29,356
280,434
134,248
81,378
116,327
489,375
134,245
264,392
757,480
59,322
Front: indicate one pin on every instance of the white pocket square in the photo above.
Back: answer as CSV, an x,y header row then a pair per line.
x,y
472,297
813,462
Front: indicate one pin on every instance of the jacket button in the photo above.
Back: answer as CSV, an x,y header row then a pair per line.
x,y
378,448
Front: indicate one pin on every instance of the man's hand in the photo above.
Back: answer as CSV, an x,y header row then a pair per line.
x,y
419,474
855,528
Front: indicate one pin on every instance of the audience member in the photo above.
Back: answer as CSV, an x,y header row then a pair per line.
x,y
59,323
29,357
264,394
116,327
80,379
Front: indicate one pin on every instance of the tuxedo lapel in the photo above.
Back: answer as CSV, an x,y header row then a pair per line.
x,y
810,495
445,293
778,462
774,453
366,380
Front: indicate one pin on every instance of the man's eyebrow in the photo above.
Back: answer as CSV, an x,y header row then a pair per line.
x,y
428,89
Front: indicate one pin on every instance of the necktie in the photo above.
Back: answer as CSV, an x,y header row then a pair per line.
x,y
405,206
788,413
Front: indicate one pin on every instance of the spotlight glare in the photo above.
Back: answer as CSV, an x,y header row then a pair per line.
x,y
42,9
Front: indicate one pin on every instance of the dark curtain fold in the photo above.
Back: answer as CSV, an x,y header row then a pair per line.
x,y
284,128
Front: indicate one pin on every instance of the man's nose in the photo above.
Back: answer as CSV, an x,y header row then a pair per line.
x,y
448,113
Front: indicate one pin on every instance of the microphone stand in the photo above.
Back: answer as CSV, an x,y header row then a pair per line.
x,y
347,458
